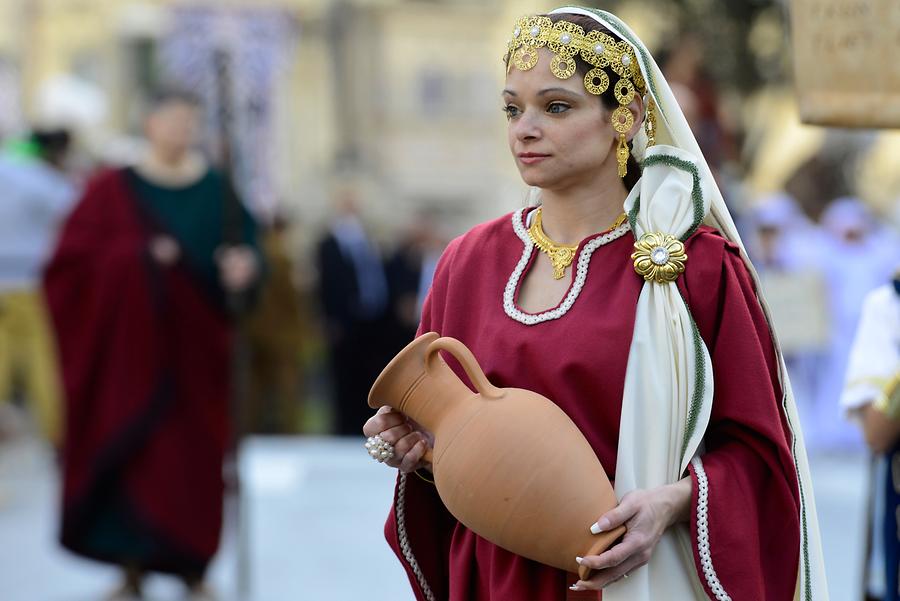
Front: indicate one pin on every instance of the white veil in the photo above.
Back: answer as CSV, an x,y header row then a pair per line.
x,y
669,382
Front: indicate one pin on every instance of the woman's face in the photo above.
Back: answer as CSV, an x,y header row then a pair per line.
x,y
559,134
172,128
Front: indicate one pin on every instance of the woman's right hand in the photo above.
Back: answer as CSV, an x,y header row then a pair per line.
x,y
409,439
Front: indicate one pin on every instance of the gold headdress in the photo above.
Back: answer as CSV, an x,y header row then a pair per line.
x,y
567,40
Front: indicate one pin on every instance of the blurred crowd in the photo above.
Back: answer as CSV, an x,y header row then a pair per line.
x,y
330,337
148,322
816,275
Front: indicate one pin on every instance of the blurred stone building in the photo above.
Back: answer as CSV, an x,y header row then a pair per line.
x,y
396,98
399,99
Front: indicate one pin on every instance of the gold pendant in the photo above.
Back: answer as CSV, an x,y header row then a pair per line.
x,y
561,258
561,255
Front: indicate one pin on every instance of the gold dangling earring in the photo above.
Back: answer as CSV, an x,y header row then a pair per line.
x,y
622,156
622,120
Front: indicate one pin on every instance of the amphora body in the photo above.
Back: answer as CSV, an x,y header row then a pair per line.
x,y
508,463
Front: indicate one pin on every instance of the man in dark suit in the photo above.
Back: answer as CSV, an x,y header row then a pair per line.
x,y
354,296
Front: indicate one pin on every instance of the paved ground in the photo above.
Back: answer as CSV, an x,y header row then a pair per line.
x,y
314,511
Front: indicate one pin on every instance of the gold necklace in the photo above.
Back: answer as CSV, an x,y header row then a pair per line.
x,y
561,255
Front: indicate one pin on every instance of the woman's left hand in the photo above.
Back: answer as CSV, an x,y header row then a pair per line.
x,y
646,515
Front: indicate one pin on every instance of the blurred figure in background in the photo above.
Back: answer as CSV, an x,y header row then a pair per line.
x,y
36,196
783,238
137,289
857,256
783,244
274,333
872,398
698,95
353,290
409,273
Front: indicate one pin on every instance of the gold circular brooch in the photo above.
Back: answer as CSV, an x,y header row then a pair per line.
x,y
659,257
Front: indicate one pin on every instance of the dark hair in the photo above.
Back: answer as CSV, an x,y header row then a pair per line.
x,y
169,95
608,98
52,144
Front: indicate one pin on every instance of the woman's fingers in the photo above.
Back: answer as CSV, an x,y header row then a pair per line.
x,y
615,517
633,552
384,419
631,545
412,459
394,428
403,447
647,514
603,578
395,434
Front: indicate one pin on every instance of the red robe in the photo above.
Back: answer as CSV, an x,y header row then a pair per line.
x,y
579,361
145,354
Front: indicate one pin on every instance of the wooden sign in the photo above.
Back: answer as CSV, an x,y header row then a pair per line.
x,y
847,62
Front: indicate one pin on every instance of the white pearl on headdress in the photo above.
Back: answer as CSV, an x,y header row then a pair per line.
x,y
535,31
599,49
517,32
626,60
565,38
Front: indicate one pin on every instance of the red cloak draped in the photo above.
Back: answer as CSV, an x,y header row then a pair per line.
x,y
145,355
579,361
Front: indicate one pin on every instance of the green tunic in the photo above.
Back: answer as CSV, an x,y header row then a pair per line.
x,y
195,215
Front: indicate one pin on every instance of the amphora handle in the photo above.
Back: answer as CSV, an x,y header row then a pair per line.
x,y
465,357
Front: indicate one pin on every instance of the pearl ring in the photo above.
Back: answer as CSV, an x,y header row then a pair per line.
x,y
379,449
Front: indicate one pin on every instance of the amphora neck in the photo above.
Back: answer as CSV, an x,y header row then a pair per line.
x,y
420,384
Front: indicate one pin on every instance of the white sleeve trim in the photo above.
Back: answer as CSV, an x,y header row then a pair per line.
x,y
403,538
706,564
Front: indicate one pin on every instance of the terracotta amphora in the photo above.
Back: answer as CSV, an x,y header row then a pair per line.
x,y
508,463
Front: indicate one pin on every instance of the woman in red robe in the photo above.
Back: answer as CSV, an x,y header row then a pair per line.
x,y
592,329
137,290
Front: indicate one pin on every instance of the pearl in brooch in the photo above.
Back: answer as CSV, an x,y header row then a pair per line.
x,y
659,255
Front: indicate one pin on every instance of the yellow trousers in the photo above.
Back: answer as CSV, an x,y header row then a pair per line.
x,y
28,359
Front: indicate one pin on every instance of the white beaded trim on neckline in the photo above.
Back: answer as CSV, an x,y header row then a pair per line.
x,y
709,572
581,269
